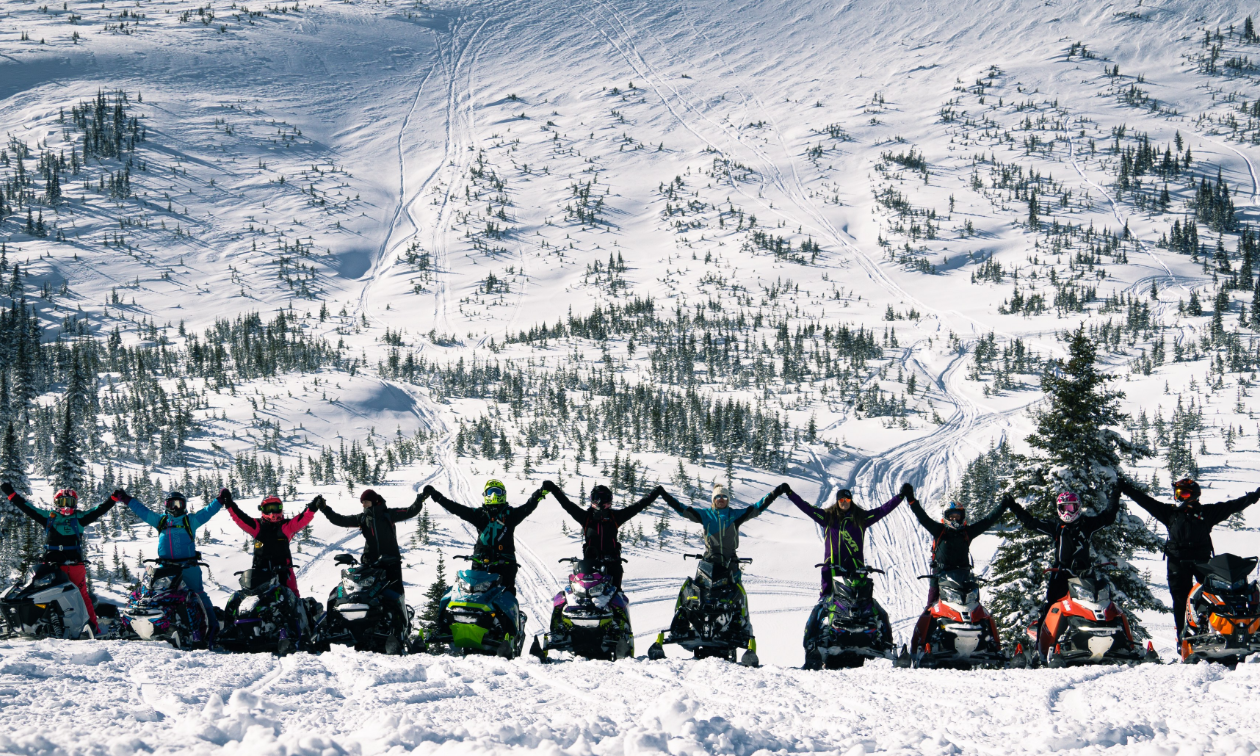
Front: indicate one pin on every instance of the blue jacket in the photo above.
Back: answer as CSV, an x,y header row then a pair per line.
x,y
175,534
721,526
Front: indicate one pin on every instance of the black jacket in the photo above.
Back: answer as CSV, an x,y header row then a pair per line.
x,y
1189,526
376,523
951,548
496,525
1072,539
599,526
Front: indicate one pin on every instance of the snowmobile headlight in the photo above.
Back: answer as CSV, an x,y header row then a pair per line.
x,y
481,586
248,604
43,580
161,583
350,585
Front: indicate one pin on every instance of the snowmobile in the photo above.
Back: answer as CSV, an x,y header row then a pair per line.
x,y
363,612
161,609
710,618
479,616
1084,627
846,627
264,615
48,605
956,632
1222,612
595,619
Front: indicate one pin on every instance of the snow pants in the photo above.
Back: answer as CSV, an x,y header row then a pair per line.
x,y
78,575
507,575
191,578
1181,576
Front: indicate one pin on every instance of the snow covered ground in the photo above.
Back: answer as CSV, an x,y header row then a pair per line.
x,y
377,134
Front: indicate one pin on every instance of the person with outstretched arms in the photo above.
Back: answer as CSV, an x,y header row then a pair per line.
x,y
496,523
63,535
1189,525
177,541
1071,532
952,537
380,537
600,522
272,532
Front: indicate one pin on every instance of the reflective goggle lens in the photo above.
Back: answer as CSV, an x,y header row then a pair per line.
x,y
65,502
1184,493
495,491
272,508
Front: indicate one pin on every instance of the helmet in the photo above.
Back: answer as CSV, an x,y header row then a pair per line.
x,y
1185,491
494,494
272,509
601,497
176,504
1069,506
66,501
955,515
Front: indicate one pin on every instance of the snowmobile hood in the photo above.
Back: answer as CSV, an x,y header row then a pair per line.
x,y
1229,567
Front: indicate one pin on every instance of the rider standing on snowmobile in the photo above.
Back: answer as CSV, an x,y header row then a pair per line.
x,y
845,525
272,533
600,523
1189,525
177,541
496,523
63,529
952,536
1071,533
380,539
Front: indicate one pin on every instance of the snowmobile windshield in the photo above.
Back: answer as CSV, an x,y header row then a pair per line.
x,y
1229,569
958,587
713,575
476,581
1094,589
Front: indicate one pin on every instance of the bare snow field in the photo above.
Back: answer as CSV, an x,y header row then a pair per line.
x,y
442,194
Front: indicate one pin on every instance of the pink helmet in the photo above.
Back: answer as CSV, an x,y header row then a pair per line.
x,y
1069,506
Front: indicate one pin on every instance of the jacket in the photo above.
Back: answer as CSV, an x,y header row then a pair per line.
x,y
599,526
376,523
845,532
721,526
63,533
176,535
271,539
1072,540
1189,526
496,525
951,548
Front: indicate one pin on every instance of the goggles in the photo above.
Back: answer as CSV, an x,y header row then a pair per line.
x,y
494,491
65,502
271,506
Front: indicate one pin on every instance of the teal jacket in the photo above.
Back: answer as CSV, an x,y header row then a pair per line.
x,y
721,526
175,534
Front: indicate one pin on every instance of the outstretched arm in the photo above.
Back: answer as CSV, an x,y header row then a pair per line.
x,y
622,516
883,510
398,515
813,513
566,503
16,499
148,516
242,520
340,520
1108,515
96,512
986,522
761,505
1218,513
517,515
1030,522
1157,509
302,520
203,515
689,512
930,525
467,514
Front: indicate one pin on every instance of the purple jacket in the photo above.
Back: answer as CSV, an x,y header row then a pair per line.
x,y
845,531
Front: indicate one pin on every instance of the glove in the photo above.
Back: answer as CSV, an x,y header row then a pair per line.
x,y
549,486
120,496
781,489
419,499
1007,501
907,491
225,496
7,489
316,503
428,492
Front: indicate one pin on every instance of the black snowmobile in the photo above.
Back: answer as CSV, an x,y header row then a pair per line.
x,y
593,620
846,627
710,618
48,605
363,612
264,615
1223,612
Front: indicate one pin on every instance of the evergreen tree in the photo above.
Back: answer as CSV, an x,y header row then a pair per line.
x,y
68,469
13,460
433,596
1074,448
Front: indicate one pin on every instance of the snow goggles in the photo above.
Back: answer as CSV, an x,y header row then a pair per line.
x,y
955,514
271,506
1185,494
495,491
65,502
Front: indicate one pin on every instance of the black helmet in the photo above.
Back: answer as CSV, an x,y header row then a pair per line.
x,y
1185,491
601,497
176,504
955,515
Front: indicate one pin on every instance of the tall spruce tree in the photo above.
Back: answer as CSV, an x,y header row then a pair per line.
x,y
1074,448
13,460
68,469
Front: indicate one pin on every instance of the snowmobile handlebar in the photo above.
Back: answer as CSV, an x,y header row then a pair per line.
x,y
486,562
857,569
562,560
190,562
1073,572
701,557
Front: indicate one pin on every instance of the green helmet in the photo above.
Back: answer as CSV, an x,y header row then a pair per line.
x,y
494,494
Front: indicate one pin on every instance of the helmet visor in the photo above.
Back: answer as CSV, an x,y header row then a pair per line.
x,y
1184,493
271,507
955,515
495,492
1069,508
65,502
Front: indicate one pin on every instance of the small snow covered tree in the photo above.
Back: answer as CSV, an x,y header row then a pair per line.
x,y
13,461
67,461
1074,449
433,597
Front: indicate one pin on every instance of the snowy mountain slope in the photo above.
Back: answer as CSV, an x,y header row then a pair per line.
x,y
434,180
